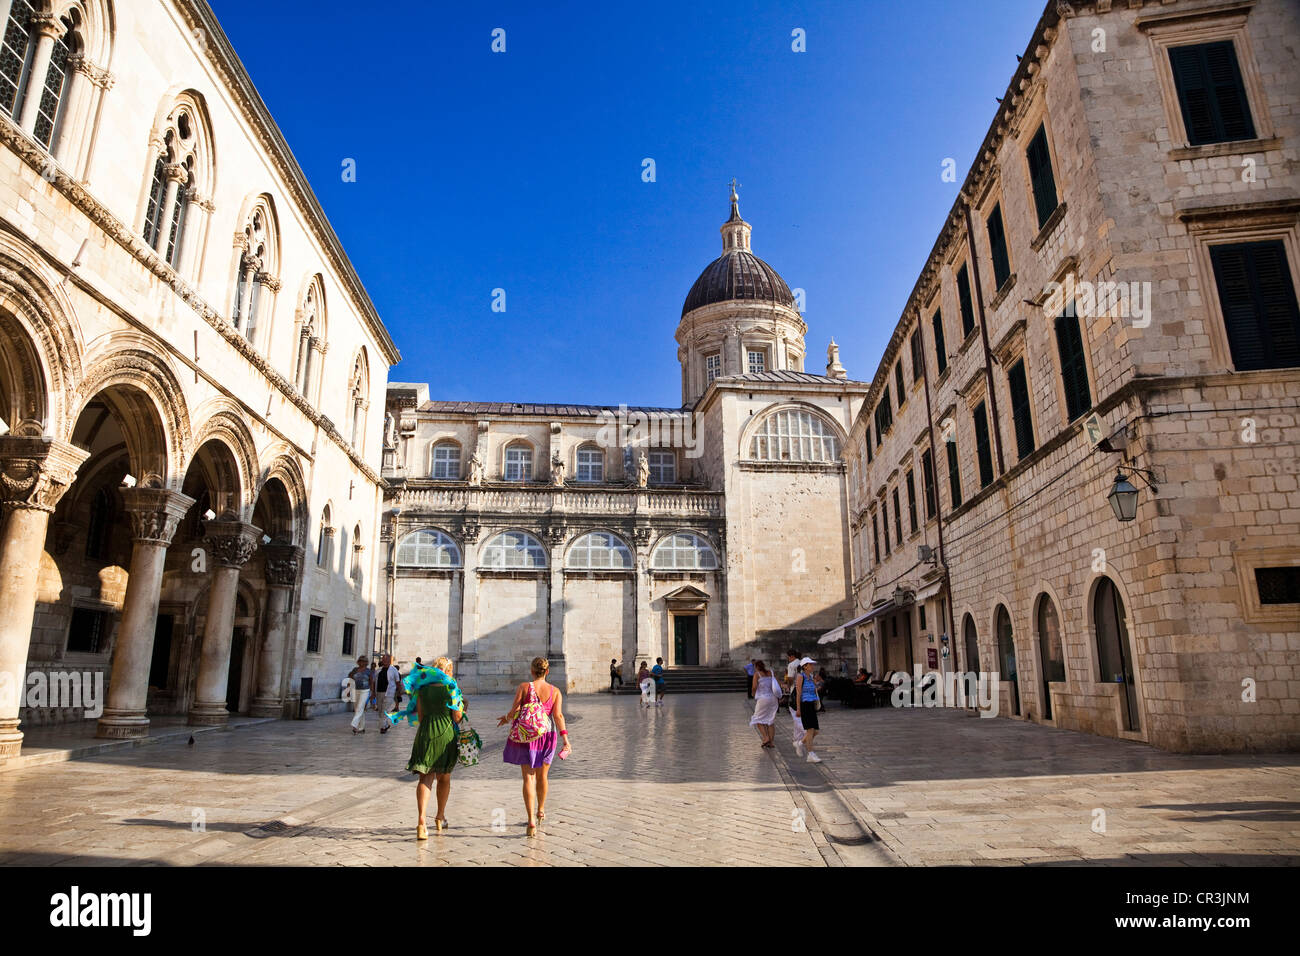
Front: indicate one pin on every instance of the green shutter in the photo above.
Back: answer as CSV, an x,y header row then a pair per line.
x,y
963,298
954,475
998,247
1258,302
1211,94
982,451
1018,385
940,352
1040,175
1074,366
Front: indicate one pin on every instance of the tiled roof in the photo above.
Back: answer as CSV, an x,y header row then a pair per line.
x,y
528,408
794,378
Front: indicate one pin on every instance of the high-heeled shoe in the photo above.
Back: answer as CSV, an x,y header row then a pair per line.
x,y
532,830
440,824
541,815
421,832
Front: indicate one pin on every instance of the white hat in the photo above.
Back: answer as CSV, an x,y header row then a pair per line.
x,y
807,660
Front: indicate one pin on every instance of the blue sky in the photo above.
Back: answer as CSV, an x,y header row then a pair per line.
x,y
523,170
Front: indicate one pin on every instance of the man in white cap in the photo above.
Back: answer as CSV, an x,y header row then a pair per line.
x,y
804,697
791,672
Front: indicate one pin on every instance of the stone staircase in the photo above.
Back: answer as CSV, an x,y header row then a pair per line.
x,y
695,680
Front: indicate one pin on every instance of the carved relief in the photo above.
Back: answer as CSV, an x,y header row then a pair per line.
x,y
155,513
36,472
231,543
283,562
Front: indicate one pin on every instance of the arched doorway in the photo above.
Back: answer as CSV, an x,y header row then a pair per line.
x,y
1007,656
276,566
971,643
1114,652
1051,653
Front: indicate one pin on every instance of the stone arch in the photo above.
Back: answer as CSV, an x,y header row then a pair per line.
x,y
1045,591
179,102
284,468
146,388
1093,643
310,336
758,418
226,425
40,352
95,27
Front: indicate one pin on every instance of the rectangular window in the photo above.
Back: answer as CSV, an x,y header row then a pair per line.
x,y
869,455
591,464
911,502
898,383
1258,302
349,638
921,610
940,352
519,464
88,632
1074,365
1018,385
927,479
964,300
918,357
757,361
663,467
898,520
954,476
884,523
1040,175
998,247
712,367
446,461
1211,94
313,634
1278,585
875,536
884,416
983,451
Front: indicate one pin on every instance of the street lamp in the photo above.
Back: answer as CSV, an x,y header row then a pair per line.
x,y
1123,498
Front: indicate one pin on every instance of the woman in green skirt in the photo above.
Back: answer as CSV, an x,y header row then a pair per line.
x,y
433,755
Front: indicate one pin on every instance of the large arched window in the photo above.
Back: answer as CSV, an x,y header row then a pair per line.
x,y
311,328
428,548
600,551
324,538
1007,655
181,172
1051,653
513,549
445,463
257,267
1114,652
793,434
591,464
359,403
684,551
519,462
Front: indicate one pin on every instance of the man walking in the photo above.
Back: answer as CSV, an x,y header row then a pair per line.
x,y
361,682
791,672
615,674
657,672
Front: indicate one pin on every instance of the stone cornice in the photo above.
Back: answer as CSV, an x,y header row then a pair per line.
x,y
199,16
27,150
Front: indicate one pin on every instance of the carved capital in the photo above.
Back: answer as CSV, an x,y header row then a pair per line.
x,y
469,530
556,532
241,241
176,173
282,564
231,543
155,513
271,282
642,534
35,472
95,74
47,25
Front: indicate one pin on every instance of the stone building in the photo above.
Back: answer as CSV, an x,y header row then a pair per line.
x,y
702,534
191,379
1109,311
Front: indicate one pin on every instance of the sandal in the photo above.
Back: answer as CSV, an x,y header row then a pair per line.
x,y
541,815
532,830
421,832
440,825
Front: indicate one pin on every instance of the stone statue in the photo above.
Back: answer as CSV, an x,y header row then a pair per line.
x,y
642,471
557,470
475,470
390,431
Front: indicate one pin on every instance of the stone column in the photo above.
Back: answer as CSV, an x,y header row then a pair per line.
x,y
34,474
48,28
176,175
230,544
250,266
283,562
155,514
464,644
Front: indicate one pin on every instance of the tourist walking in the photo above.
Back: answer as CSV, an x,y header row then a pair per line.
x,y
749,687
645,680
615,673
805,695
658,673
360,677
439,707
766,691
387,681
535,719
791,673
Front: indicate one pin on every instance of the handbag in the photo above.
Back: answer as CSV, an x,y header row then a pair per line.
x,y
468,745
532,721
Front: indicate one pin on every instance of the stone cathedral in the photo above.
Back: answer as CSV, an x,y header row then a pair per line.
x,y
704,534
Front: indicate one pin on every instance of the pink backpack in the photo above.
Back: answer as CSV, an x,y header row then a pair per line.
x,y
532,721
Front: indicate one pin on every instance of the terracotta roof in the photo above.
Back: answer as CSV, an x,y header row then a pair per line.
x,y
529,408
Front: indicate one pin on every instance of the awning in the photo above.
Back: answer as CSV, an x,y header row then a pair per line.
x,y
831,636
929,591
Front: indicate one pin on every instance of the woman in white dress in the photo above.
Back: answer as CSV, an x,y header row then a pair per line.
x,y
767,699
646,682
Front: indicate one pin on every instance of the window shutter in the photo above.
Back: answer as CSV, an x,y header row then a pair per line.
x,y
1211,93
898,383
1040,174
940,352
1019,388
1258,302
982,451
998,247
954,475
1074,368
1229,91
963,298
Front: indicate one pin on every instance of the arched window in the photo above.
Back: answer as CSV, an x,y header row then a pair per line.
x,y
312,328
255,282
1007,656
359,402
663,467
1050,651
684,551
591,463
600,551
180,174
446,461
1114,652
34,69
794,435
324,537
513,549
428,548
519,462
972,646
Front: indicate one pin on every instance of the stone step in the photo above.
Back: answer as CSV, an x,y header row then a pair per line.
x,y
696,680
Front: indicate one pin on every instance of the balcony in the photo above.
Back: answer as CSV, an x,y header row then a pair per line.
x,y
545,499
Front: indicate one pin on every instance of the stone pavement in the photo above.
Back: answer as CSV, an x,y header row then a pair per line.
x,y
681,785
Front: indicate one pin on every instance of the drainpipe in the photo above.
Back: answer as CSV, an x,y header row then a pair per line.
x,y
984,336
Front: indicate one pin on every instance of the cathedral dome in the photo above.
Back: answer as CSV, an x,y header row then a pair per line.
x,y
738,274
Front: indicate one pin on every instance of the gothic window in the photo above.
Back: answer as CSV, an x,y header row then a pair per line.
x,y
178,170
36,102
600,551
256,268
427,548
324,534
591,464
663,467
355,571
358,402
18,39
757,361
519,463
684,551
712,367
312,328
794,435
513,549
446,461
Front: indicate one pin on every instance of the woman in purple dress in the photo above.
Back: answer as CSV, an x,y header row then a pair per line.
x,y
534,758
